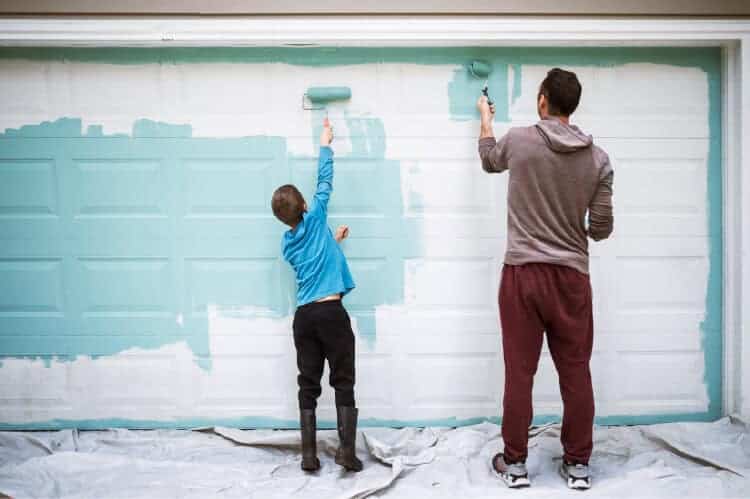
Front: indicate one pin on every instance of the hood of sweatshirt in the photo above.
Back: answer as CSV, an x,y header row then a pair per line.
x,y
561,137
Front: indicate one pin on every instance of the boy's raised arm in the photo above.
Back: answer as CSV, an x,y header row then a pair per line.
x,y
325,169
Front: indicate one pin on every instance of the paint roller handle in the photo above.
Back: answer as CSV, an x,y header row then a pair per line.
x,y
485,92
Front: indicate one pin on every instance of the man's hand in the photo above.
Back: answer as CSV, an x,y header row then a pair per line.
x,y
486,114
486,111
342,232
326,136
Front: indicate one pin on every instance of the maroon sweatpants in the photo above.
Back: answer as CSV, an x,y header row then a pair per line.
x,y
540,297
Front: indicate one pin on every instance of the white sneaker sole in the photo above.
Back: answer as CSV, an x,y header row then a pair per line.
x,y
510,481
574,483
515,482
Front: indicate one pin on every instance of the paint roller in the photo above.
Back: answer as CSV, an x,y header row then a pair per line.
x,y
319,97
481,69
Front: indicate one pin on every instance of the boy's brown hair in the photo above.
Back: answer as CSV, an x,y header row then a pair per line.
x,y
288,204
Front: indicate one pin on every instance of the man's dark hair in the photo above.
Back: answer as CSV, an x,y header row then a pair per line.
x,y
562,90
288,204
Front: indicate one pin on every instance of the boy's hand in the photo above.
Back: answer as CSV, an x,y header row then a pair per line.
x,y
326,136
341,233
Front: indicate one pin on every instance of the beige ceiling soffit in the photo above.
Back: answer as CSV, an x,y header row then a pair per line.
x,y
381,7
366,31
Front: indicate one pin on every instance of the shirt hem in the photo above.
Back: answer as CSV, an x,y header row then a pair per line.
x,y
318,296
520,259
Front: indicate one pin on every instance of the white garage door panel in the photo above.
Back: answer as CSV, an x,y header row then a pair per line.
x,y
140,280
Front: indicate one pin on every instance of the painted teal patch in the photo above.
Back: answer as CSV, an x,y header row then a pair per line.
x,y
464,90
369,141
156,225
117,247
377,247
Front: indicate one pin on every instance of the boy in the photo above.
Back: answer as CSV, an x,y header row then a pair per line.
x,y
322,329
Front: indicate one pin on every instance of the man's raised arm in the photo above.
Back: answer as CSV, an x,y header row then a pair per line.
x,y
494,154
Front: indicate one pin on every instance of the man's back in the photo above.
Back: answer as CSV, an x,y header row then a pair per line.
x,y
556,176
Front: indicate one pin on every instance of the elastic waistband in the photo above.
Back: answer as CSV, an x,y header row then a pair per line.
x,y
315,304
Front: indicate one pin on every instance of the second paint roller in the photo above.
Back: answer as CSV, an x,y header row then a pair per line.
x,y
481,69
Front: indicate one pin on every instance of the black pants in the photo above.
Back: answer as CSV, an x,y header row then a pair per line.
x,y
324,331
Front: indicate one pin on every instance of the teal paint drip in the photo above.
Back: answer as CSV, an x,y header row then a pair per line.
x,y
368,139
516,83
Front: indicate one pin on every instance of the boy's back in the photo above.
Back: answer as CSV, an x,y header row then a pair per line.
x,y
310,248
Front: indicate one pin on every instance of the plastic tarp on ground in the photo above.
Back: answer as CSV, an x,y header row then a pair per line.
x,y
708,460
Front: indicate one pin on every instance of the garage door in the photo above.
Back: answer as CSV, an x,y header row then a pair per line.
x,y
140,277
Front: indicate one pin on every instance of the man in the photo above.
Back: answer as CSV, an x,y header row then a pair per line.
x,y
557,177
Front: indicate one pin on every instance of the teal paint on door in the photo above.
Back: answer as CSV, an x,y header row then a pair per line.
x,y
114,242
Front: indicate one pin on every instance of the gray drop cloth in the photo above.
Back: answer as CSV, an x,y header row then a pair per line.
x,y
670,460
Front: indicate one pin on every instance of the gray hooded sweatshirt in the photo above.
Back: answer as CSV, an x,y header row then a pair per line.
x,y
557,175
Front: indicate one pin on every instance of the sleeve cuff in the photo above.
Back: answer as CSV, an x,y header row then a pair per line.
x,y
326,150
487,141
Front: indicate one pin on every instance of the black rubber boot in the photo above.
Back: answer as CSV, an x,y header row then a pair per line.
x,y
310,460
347,425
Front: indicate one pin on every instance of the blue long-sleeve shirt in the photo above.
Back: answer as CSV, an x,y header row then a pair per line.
x,y
310,248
